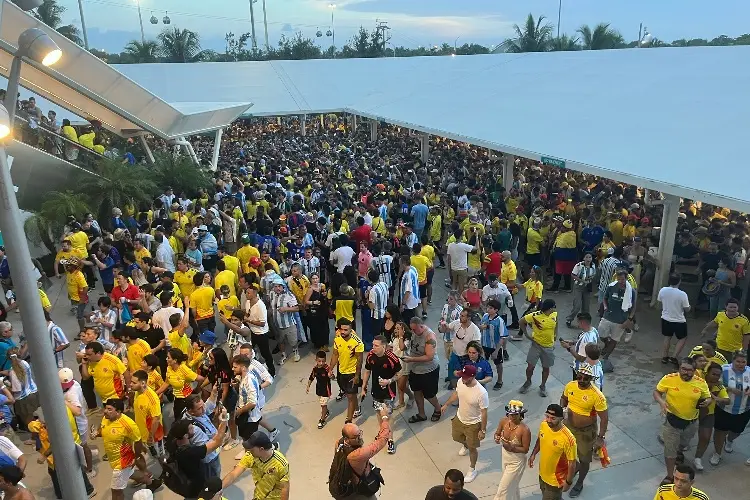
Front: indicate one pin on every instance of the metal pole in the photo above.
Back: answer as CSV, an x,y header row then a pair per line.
x,y
140,18
11,95
333,32
147,149
252,26
640,30
559,17
69,469
217,149
83,25
265,25
303,125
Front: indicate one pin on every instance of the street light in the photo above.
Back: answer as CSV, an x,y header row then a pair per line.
x,y
644,37
35,45
83,26
332,6
140,18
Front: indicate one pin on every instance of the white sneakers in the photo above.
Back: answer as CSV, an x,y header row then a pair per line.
x,y
470,475
462,452
698,463
295,356
715,459
274,434
747,462
728,446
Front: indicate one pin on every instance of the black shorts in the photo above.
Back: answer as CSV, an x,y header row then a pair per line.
x,y
246,428
534,259
346,383
426,383
488,353
423,291
670,329
728,422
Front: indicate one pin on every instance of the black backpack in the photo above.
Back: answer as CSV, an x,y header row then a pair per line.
x,y
175,479
340,484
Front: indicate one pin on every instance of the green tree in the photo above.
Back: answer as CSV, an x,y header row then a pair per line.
x,y
359,45
295,48
50,13
180,173
236,48
142,52
179,45
600,38
722,41
565,43
535,36
46,225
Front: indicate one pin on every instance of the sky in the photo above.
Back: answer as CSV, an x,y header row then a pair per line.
x,y
111,24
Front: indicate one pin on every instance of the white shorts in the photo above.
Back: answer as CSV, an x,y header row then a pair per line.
x,y
323,400
84,435
608,329
120,478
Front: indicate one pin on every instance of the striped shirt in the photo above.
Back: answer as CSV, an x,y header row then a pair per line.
x,y
309,266
283,319
494,331
379,297
307,240
382,264
410,283
412,239
608,267
449,315
57,338
22,389
738,403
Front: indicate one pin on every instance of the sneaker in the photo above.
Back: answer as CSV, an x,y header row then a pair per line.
x,y
525,387
506,356
321,423
239,455
276,350
497,386
325,348
231,444
295,356
636,327
391,447
542,391
628,336
463,451
91,474
441,266
274,434
424,315
92,494
94,452
282,360
357,413
340,396
747,462
728,446
715,459
698,463
470,476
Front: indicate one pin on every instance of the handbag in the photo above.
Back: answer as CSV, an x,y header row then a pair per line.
x,y
369,483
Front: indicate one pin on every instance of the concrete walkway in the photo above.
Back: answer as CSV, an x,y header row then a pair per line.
x,y
425,450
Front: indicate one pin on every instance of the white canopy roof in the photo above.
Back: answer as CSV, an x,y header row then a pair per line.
x,y
671,119
88,87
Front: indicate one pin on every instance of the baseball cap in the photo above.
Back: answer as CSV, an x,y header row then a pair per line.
x,y
555,410
212,487
259,439
66,378
469,371
208,337
202,227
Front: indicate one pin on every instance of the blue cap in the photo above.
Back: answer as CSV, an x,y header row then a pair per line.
x,y
208,337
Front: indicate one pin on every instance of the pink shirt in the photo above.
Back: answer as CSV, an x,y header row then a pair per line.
x,y
363,262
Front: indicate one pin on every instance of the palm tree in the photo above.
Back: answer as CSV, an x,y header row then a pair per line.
x,y
601,37
534,37
50,13
46,225
565,43
179,45
180,173
142,52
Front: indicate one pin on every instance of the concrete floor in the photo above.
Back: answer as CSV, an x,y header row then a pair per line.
x,y
425,451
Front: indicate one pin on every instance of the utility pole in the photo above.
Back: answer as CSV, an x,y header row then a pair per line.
x,y
383,31
252,26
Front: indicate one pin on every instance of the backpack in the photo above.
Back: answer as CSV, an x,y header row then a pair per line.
x,y
340,476
175,479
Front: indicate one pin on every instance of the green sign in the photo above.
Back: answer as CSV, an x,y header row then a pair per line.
x,y
553,162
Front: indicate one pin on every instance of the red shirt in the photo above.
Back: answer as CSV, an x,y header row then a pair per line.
x,y
362,233
495,264
130,293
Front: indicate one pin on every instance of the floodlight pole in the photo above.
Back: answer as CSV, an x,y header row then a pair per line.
x,y
83,25
303,125
252,27
140,18
265,26
11,95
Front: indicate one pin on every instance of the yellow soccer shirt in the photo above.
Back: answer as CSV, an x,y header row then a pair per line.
x,y
225,277
586,402
155,380
181,342
46,304
76,282
347,350
202,300
244,255
556,448
436,228
40,429
731,331
299,287
543,327
534,241
717,358
615,227
119,436
429,252
720,392
534,290
269,477
421,264
181,380
79,241
140,255
232,263
683,397
107,373
667,492
136,352
184,280
226,306
147,411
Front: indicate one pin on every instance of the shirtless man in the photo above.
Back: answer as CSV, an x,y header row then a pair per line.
x,y
515,437
10,477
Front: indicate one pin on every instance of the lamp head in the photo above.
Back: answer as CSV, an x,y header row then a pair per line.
x,y
647,38
38,46
4,122
27,5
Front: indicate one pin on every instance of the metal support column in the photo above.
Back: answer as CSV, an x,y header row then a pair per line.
x,y
425,140
671,204
354,123
322,121
509,162
303,125
147,149
373,130
217,149
189,148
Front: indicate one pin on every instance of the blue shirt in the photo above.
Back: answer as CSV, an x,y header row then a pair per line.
x,y
419,213
484,368
108,274
496,329
199,436
5,346
6,417
591,236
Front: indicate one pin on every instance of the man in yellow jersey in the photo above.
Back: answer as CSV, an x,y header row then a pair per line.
x,y
682,488
347,355
231,263
107,371
147,410
67,252
269,468
708,350
137,348
423,265
245,253
680,396
202,301
712,374
508,276
544,332
534,241
584,402
224,277
732,329
556,446
122,443
183,277
140,252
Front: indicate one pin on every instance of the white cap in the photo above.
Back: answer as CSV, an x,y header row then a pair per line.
x,y
66,377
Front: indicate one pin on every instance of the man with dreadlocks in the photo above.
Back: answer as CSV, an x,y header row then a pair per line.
x,y
352,476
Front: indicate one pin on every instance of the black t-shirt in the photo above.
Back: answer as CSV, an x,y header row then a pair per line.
x,y
223,376
438,493
189,461
322,380
382,367
685,251
153,336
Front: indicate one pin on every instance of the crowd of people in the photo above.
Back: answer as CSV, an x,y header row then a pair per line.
x,y
328,244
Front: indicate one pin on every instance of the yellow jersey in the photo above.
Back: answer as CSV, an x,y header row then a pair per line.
x,y
543,327
119,436
667,492
107,373
731,331
40,429
683,397
225,277
270,477
46,304
202,300
155,380
232,263
299,287
429,252
586,402
534,240
80,242
717,358
556,449
184,280
180,341
136,352
244,255
147,411
76,282
228,305
181,380
347,351
534,290
421,264
140,255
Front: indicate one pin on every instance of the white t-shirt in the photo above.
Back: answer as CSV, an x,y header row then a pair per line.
x,y
258,312
342,256
471,401
462,336
673,301
74,396
160,318
459,254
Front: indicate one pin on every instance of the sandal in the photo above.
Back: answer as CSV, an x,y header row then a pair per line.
x,y
435,416
416,419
